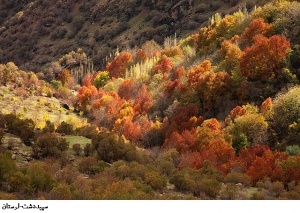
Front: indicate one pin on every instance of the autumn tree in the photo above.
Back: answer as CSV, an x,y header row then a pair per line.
x,y
143,100
140,55
264,58
117,67
205,38
88,150
182,118
257,27
89,165
24,128
85,95
231,54
183,142
225,26
172,86
7,72
109,106
209,86
266,107
64,76
128,89
173,52
164,66
247,127
267,164
88,80
17,182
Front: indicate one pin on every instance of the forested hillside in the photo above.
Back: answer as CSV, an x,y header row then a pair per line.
x,y
34,33
214,114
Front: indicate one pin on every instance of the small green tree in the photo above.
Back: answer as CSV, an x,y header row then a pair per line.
x,y
17,182
65,128
49,145
60,192
40,177
88,149
101,79
7,166
285,117
77,148
2,133
110,148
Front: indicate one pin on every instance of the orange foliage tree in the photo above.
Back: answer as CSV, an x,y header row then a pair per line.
x,y
266,106
207,142
64,76
209,85
106,108
231,53
117,67
85,96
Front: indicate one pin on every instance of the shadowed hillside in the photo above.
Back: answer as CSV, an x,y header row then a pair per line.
x,y
34,33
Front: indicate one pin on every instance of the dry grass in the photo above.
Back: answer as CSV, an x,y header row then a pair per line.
x,y
39,109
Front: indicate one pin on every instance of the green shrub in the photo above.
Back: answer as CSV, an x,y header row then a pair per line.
x,y
49,145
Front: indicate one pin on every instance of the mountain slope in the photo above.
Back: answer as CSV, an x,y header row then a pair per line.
x,y
34,33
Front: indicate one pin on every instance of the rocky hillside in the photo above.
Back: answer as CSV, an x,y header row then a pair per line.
x,y
36,32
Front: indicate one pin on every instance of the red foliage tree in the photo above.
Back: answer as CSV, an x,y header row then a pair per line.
x,y
267,165
179,72
291,169
247,156
88,80
181,142
143,101
185,119
164,65
140,55
128,89
257,27
172,85
236,112
219,153
135,131
263,59
117,67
